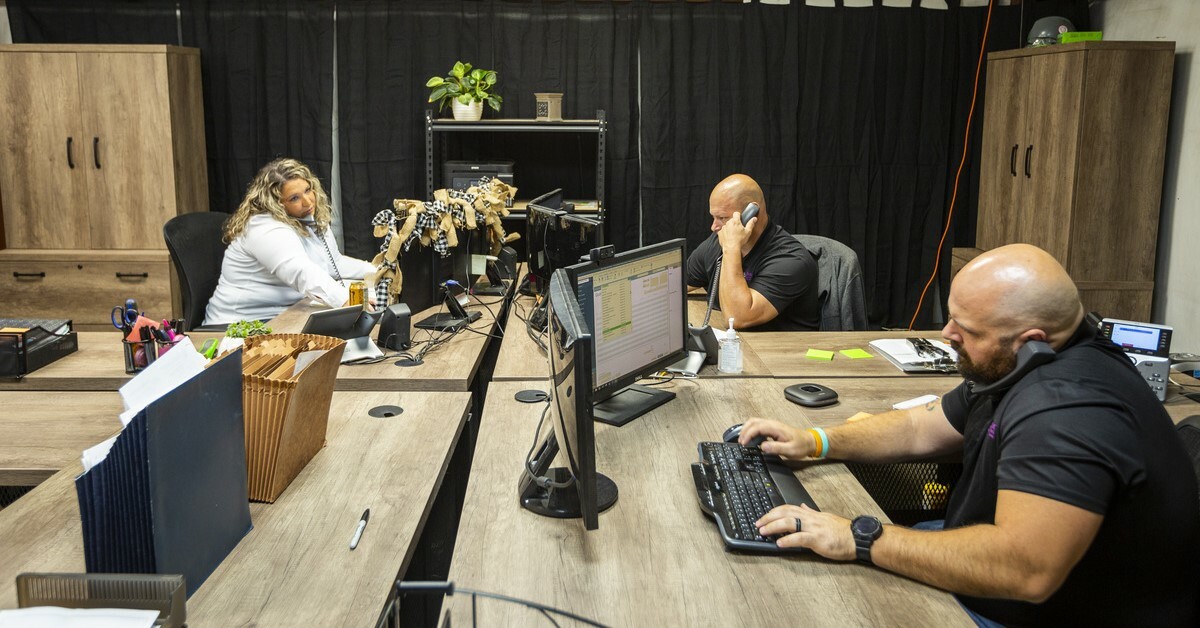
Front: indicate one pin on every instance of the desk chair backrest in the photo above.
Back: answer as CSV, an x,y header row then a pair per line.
x,y
839,277
1189,431
197,251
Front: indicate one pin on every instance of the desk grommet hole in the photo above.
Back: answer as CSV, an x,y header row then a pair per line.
x,y
385,412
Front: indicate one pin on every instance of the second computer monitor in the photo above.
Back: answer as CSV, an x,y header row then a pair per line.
x,y
557,238
636,304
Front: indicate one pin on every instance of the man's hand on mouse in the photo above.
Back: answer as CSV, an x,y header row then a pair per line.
x,y
826,534
782,440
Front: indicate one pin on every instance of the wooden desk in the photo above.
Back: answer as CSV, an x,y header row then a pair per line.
x,y
295,565
42,432
521,359
657,559
783,352
99,364
449,367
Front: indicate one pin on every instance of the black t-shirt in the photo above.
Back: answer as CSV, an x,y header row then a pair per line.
x,y
779,268
1086,430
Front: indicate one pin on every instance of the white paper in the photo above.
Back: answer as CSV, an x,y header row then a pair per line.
x,y
96,453
914,402
306,358
175,367
55,617
903,352
230,344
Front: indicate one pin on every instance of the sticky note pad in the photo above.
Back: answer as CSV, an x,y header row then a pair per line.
x,y
818,354
856,354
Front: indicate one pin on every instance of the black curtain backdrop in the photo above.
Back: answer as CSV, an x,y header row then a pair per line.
x,y
99,21
387,50
852,119
267,70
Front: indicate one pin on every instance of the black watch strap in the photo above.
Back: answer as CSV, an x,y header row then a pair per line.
x,y
865,530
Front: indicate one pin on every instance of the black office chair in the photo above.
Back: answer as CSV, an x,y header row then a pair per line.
x,y
909,492
197,251
839,277
1189,431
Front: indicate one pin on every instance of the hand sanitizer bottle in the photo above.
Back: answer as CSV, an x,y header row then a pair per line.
x,y
729,360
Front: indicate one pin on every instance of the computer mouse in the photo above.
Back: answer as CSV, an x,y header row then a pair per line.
x,y
731,436
810,395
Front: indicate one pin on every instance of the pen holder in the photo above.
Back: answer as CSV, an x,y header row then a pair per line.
x,y
139,354
165,346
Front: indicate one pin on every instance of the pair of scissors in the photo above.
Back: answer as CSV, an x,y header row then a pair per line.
x,y
123,317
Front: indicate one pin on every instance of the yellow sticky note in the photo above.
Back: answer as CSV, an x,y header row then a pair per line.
x,y
818,354
856,354
858,416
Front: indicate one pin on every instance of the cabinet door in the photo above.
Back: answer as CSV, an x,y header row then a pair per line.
x,y
1047,160
1003,126
43,182
127,119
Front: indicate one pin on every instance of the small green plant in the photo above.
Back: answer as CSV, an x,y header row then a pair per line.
x,y
466,85
245,329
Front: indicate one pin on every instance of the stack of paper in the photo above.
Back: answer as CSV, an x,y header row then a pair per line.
x,y
904,355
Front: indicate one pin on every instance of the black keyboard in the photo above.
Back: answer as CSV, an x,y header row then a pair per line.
x,y
737,485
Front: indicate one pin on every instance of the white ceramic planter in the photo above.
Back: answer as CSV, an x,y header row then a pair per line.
x,y
473,111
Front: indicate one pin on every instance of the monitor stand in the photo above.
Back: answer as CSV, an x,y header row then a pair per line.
x,y
632,402
491,290
447,322
563,503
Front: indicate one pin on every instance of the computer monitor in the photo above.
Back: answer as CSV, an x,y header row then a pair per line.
x,y
557,238
635,305
576,490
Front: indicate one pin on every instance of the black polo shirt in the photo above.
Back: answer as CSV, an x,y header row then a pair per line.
x,y
1086,430
779,268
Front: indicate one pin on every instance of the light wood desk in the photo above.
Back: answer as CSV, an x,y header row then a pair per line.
x,y
449,367
521,359
656,558
783,352
295,565
42,433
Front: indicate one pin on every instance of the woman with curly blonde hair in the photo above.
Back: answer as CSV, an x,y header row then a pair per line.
x,y
281,249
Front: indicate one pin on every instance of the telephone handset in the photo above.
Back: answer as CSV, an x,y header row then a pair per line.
x,y
748,213
1030,356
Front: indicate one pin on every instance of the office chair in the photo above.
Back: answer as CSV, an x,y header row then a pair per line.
x,y
197,251
1189,431
839,277
909,492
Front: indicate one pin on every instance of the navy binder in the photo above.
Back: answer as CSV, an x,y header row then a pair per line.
x,y
171,497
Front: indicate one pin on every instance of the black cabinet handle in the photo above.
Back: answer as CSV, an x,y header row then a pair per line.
x,y
96,151
18,275
70,160
1028,158
1012,161
133,275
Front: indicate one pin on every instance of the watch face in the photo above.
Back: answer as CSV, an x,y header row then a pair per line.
x,y
866,527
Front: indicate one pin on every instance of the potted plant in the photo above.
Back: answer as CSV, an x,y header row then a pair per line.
x,y
466,88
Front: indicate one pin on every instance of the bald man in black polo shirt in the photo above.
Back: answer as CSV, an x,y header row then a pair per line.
x,y
768,280
1077,504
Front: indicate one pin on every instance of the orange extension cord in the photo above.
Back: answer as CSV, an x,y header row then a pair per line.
x,y
966,139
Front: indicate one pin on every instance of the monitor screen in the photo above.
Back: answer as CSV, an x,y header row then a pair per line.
x,y
557,239
635,305
577,490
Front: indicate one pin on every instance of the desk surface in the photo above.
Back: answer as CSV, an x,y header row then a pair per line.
x,y
449,367
296,562
657,559
42,432
784,353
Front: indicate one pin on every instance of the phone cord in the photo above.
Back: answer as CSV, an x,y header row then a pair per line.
x,y
337,274
712,293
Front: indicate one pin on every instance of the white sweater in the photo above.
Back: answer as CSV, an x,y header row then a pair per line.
x,y
269,267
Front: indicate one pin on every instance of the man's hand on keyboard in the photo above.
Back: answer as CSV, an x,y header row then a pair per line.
x,y
826,534
782,439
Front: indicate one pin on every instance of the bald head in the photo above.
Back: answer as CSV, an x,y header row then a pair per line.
x,y
735,192
1019,287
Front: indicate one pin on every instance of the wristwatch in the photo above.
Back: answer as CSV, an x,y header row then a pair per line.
x,y
865,529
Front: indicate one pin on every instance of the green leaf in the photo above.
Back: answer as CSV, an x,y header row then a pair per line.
x,y
435,81
438,93
458,70
478,74
493,101
465,99
491,77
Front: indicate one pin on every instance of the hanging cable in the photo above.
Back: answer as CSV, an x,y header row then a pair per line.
x,y
966,146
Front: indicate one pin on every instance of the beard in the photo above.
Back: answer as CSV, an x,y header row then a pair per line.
x,y
987,371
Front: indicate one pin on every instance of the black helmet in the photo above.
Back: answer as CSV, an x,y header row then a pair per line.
x,y
1046,30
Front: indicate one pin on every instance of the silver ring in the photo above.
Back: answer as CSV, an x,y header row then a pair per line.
x,y
797,520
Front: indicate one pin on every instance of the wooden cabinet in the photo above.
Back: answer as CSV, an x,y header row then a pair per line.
x,y
1072,161
99,146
